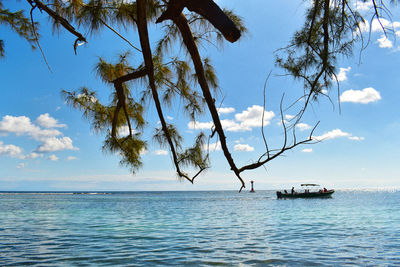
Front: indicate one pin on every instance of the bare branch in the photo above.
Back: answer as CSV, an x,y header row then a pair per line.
x,y
262,119
59,19
37,39
285,147
119,35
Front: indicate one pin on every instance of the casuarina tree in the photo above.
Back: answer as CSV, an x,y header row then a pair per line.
x,y
167,75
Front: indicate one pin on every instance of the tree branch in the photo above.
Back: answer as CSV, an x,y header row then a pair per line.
x,y
187,36
209,10
131,76
148,60
60,20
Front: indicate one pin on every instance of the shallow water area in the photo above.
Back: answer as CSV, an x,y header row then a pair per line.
x,y
199,229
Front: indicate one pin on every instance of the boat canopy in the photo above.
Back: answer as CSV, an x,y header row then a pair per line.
x,y
309,184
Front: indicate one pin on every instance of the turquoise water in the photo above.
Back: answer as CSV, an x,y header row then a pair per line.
x,y
199,229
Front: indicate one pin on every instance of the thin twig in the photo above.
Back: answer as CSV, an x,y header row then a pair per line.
x,y
37,39
119,35
263,114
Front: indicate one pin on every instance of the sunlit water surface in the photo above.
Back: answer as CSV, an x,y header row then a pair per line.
x,y
199,229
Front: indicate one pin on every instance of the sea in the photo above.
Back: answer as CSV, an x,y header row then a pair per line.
x,y
199,228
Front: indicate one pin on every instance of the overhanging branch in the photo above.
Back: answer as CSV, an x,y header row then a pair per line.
x,y
207,9
148,61
66,25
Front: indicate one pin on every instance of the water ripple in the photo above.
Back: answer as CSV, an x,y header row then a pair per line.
x,y
198,229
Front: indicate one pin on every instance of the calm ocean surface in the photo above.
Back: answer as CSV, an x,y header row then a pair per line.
x,y
199,229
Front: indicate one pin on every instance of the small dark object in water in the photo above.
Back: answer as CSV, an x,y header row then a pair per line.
x,y
252,188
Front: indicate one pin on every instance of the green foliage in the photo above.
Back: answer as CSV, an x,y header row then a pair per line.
x,y
329,31
195,155
129,148
108,72
160,136
18,23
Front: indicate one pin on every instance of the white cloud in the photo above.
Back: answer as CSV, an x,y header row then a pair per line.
x,y
252,117
232,126
243,147
364,96
307,150
225,110
143,151
228,125
43,134
46,121
124,131
376,25
289,117
90,98
337,133
9,150
200,125
363,6
32,155
384,42
379,26
363,27
342,75
213,146
17,125
170,118
245,121
23,126
396,25
356,138
56,144
21,165
69,158
53,158
303,126
161,152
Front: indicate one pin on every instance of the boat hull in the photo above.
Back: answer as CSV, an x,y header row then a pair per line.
x,y
306,195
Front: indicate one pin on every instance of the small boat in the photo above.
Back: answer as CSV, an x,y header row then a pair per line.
x,y
306,192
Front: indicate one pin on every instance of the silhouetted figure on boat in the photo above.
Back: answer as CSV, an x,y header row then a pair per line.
x,y
307,193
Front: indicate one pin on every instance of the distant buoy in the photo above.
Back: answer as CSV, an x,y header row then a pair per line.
x,y
252,187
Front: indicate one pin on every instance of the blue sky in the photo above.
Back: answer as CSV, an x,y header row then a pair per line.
x,y
46,145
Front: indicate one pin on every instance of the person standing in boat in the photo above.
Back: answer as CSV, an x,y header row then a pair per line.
x,y
293,190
